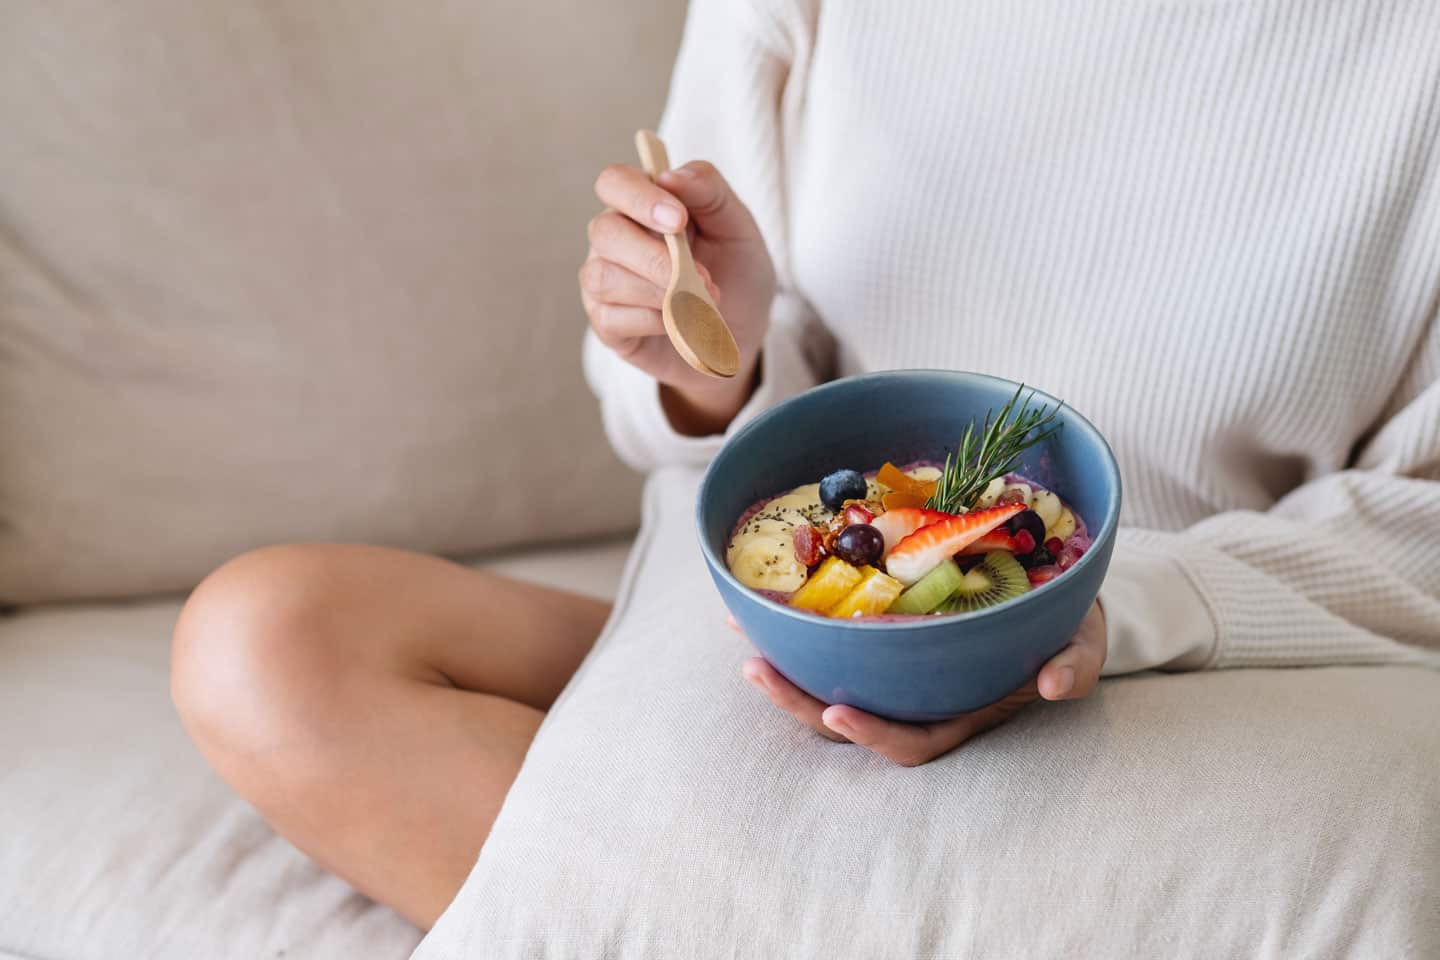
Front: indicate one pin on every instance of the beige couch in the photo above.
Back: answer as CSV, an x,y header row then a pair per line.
x,y
272,272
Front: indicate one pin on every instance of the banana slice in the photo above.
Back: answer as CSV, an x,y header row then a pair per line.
x,y
766,562
767,525
762,553
1064,527
1048,506
991,494
924,474
1024,489
804,501
800,496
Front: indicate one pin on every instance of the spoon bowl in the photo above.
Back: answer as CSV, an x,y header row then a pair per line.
x,y
699,333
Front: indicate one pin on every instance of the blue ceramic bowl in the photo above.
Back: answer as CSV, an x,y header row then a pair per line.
x,y
919,670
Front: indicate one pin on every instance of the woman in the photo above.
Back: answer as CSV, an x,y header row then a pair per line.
x,y
1215,229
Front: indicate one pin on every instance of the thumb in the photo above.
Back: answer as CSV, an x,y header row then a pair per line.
x,y
715,209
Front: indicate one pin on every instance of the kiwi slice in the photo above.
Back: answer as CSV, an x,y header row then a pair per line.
x,y
929,591
998,578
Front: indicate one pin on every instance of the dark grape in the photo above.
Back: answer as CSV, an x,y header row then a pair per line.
x,y
860,545
1030,521
840,486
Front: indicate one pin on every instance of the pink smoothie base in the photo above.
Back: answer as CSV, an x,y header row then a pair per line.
x,y
1074,548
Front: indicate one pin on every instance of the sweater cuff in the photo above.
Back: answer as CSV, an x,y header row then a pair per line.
x,y
1157,616
1175,603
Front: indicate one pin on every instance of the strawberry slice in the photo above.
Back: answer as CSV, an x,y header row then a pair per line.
x,y
1042,575
895,525
857,512
1020,543
922,551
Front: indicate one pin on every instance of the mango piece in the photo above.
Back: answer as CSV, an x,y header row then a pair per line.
x,y
870,597
898,499
831,582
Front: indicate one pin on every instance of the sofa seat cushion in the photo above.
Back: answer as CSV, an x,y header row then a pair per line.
x,y
667,810
116,840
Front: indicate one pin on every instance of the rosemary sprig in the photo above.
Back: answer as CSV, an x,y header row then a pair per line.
x,y
991,453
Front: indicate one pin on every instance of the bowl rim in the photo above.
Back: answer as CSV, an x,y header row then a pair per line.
x,y
1107,530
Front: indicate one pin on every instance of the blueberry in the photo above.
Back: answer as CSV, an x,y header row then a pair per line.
x,y
840,486
1027,520
859,545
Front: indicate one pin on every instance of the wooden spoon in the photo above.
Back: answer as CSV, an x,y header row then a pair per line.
x,y
692,321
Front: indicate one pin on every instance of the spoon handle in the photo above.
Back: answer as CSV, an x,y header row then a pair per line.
x,y
655,161
692,320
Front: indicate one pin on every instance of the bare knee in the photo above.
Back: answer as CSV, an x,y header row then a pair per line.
x,y
245,658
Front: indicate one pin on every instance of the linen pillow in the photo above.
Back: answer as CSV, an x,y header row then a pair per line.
x,y
302,272
666,810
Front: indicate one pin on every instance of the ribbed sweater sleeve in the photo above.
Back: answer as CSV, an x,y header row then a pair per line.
x,y
1344,569
737,62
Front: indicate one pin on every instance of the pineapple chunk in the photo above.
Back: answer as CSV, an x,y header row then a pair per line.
x,y
827,586
871,596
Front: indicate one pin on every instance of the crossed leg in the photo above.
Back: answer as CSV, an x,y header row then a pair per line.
x,y
374,705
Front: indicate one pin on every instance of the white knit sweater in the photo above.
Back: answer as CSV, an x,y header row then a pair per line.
x,y
1211,226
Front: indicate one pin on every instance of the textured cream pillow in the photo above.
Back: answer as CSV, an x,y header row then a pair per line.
x,y
666,810
301,271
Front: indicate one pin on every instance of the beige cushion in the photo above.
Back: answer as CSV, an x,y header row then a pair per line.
x,y
666,810
278,272
117,841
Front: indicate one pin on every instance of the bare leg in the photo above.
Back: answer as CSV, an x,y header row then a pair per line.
x,y
374,705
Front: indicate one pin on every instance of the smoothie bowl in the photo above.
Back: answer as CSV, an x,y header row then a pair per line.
x,y
879,557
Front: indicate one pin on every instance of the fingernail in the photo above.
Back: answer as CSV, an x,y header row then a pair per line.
x,y
667,215
838,724
1064,681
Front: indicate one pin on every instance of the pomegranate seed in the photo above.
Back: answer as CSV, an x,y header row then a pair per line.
x,y
1024,542
858,513
1054,545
